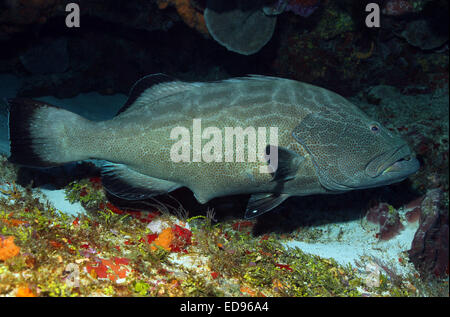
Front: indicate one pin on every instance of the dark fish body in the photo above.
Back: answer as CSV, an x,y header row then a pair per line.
x,y
325,144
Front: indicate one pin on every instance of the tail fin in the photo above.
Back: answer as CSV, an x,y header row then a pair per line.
x,y
39,133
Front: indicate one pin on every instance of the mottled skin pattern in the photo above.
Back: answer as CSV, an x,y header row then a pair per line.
x,y
140,136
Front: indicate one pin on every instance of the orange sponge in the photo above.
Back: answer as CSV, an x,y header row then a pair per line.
x,y
164,239
188,13
8,249
25,292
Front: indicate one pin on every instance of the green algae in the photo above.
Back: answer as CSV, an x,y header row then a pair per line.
x,y
85,192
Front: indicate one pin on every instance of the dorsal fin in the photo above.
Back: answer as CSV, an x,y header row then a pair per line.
x,y
153,87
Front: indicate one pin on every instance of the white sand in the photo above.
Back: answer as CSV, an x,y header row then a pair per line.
x,y
358,241
57,199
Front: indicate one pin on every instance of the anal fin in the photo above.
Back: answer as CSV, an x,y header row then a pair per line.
x,y
126,183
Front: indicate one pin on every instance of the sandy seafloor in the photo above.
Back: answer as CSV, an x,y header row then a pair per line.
x,y
354,239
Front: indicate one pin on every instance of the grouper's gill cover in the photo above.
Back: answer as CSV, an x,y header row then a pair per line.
x,y
325,144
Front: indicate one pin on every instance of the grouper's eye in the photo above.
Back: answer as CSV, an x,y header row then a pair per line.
x,y
374,128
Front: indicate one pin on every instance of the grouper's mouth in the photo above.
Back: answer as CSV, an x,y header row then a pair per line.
x,y
393,166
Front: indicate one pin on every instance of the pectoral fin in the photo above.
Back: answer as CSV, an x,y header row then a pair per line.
x,y
261,203
285,164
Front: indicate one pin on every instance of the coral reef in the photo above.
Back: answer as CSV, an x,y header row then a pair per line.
x,y
115,253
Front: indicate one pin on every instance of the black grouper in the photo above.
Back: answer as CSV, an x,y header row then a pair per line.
x,y
325,144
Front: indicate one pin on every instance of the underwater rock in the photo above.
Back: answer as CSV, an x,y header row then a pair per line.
x,y
241,27
429,249
413,209
387,217
51,56
419,34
